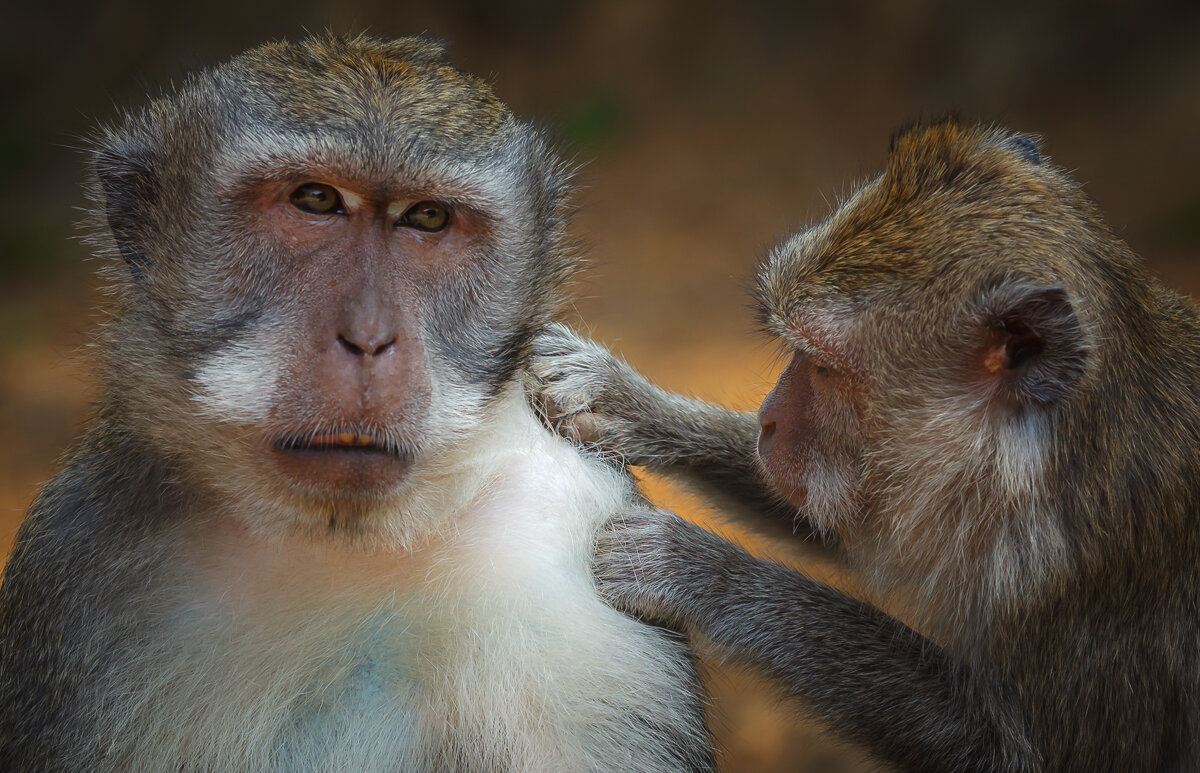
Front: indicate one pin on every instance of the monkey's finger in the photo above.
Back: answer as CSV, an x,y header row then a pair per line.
x,y
583,428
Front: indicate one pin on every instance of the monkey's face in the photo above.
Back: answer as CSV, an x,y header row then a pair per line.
x,y
810,440
336,264
351,376
364,349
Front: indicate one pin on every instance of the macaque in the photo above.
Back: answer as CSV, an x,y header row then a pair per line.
x,y
991,416
315,524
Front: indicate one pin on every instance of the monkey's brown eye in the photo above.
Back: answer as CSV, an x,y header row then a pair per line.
x,y
426,216
317,198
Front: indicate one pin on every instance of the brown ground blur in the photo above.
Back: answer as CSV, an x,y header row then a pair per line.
x,y
709,132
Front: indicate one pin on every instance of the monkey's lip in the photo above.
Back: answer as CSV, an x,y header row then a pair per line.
x,y
349,462
352,441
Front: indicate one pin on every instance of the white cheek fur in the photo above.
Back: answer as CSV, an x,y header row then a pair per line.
x,y
966,493
238,383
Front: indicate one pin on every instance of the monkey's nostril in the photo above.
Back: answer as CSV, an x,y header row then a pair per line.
x,y
350,346
767,428
368,347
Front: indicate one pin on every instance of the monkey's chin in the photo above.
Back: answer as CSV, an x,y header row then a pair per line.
x,y
342,473
781,474
795,494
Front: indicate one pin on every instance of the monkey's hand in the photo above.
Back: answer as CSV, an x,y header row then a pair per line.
x,y
592,398
657,566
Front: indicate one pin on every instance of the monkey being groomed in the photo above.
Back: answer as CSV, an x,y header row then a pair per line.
x,y
315,524
991,416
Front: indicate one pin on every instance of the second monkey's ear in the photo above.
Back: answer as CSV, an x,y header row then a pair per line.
x,y
1033,347
1028,145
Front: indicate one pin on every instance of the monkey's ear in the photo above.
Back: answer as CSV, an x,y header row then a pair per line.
x,y
128,189
1028,145
1034,348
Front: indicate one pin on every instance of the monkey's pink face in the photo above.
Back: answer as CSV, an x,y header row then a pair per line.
x,y
787,436
809,436
338,383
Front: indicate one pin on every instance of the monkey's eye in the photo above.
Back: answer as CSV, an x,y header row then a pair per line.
x,y
426,216
317,198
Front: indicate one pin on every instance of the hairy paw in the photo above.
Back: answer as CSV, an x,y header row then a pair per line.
x,y
643,564
585,393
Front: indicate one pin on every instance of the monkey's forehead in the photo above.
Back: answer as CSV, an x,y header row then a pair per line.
x,y
394,90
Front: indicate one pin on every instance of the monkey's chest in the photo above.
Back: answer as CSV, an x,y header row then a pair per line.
x,y
363,692
501,679
487,650
494,654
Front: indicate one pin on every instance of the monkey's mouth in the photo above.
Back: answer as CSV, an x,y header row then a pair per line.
x,y
344,463
340,443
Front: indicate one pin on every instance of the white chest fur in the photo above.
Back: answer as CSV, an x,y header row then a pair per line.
x,y
487,649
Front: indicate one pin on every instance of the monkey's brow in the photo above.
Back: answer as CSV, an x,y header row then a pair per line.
x,y
792,339
271,168
817,340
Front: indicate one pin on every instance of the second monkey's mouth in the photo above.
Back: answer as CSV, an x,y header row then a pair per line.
x,y
341,442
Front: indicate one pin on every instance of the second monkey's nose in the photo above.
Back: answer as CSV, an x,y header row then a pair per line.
x,y
364,345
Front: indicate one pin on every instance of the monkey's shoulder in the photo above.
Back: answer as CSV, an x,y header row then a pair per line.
x,y
101,499
75,555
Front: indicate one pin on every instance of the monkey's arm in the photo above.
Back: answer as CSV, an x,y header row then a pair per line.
x,y
593,398
875,681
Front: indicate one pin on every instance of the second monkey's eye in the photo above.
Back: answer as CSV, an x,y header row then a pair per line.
x,y
317,198
821,368
426,216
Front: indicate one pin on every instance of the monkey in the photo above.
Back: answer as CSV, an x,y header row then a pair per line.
x,y
989,415
315,523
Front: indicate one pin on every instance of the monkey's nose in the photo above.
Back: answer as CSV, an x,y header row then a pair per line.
x,y
366,345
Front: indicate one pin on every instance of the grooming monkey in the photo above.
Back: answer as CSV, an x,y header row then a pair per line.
x,y
991,415
315,524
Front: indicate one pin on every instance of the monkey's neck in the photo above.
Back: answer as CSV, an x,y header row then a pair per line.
x,y
510,489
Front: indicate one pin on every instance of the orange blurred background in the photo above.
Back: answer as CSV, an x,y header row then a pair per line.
x,y
707,132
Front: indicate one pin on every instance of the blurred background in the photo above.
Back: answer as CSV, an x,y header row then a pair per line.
x,y
707,132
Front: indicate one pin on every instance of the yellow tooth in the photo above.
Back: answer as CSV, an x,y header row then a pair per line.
x,y
346,438
365,440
